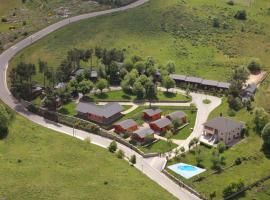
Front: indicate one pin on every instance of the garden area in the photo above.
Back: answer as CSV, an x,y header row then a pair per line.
x,y
33,158
243,163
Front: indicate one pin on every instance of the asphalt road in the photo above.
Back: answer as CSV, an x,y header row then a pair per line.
x,y
150,167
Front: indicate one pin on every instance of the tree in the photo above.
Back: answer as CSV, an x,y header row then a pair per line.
x,y
168,83
169,134
241,15
190,144
199,158
261,118
102,84
128,65
43,67
240,74
182,149
112,147
196,141
170,66
150,91
138,90
216,23
254,65
266,136
132,159
5,118
85,87
176,124
221,147
217,160
233,188
140,67
235,103
120,154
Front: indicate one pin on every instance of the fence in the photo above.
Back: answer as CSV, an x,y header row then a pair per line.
x,y
182,184
247,188
83,125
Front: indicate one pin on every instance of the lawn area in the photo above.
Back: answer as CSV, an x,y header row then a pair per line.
x,y
158,147
38,163
119,95
181,31
249,171
186,131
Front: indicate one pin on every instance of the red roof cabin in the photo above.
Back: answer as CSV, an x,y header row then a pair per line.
x,y
161,125
152,114
179,116
143,135
125,126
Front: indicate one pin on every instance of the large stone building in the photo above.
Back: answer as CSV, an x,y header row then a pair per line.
x,y
222,129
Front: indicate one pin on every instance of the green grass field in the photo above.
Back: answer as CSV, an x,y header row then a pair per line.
x,y
158,147
249,171
120,96
170,30
38,163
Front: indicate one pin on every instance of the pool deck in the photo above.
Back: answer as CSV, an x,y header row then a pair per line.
x,y
185,170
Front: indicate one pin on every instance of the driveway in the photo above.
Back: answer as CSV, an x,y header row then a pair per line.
x,y
144,165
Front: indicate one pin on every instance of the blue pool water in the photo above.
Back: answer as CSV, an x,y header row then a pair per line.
x,y
185,170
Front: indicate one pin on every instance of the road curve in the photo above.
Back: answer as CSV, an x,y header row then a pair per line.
x,y
144,165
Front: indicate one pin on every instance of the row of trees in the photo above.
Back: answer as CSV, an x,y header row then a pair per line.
x,y
5,118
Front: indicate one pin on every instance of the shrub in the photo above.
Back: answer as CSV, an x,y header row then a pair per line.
x,y
221,147
254,65
112,147
231,113
120,154
241,15
87,140
231,2
233,188
133,159
216,23
238,161
4,19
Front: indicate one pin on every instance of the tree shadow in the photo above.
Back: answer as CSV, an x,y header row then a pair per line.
x,y
169,94
266,151
102,96
3,133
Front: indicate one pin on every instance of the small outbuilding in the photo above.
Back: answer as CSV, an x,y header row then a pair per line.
x,y
125,126
143,135
152,114
179,116
161,125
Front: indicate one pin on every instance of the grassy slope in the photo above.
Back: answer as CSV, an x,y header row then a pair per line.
x,y
250,146
54,166
177,30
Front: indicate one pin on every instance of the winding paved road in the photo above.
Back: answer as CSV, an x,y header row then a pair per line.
x,y
150,167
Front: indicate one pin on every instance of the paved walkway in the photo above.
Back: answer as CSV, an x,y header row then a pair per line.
x,y
150,167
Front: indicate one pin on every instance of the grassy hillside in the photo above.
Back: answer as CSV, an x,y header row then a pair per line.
x,y
255,164
17,19
37,163
171,30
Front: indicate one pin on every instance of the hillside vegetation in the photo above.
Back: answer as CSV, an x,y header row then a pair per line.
x,y
38,163
182,31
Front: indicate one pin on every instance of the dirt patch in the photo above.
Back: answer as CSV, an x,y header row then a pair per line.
x,y
257,78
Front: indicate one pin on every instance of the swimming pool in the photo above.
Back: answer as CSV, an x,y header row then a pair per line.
x,y
185,170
